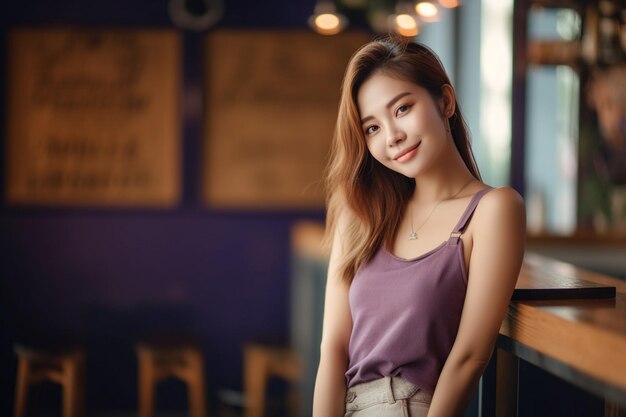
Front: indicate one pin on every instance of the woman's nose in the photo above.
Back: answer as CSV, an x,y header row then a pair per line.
x,y
395,136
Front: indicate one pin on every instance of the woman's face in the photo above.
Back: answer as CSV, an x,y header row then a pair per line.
x,y
403,125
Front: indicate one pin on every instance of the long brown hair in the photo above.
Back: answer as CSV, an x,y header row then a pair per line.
x,y
374,195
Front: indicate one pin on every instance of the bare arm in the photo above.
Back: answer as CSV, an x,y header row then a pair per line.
x,y
497,253
330,385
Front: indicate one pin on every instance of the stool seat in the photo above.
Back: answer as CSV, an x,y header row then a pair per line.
x,y
166,358
262,361
62,365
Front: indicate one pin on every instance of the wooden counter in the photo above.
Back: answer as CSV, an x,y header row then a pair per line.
x,y
582,341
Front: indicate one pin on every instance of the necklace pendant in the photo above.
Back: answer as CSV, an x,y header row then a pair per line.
x,y
413,236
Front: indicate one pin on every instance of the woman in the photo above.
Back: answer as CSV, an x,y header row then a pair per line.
x,y
424,255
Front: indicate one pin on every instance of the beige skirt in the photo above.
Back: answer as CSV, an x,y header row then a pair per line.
x,y
388,397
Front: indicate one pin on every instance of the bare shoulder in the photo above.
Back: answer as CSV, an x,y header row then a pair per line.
x,y
500,199
500,207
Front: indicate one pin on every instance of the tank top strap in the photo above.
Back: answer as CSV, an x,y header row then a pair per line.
x,y
467,214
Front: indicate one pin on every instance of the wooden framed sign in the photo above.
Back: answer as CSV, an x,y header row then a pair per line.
x,y
271,106
94,117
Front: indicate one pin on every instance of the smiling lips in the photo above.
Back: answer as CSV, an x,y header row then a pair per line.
x,y
406,154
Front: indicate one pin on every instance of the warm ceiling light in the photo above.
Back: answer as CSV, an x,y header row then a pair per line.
x,y
426,9
406,25
326,20
450,4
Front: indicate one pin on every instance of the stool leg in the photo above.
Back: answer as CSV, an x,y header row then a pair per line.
x,y
69,386
147,385
21,388
255,380
196,388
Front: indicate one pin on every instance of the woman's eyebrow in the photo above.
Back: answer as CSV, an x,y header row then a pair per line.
x,y
396,98
388,105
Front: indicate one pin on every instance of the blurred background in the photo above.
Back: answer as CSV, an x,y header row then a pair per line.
x,y
159,158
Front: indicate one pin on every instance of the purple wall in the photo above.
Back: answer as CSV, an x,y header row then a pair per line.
x,y
110,275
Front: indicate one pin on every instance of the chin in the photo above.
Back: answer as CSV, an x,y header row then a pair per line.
x,y
410,170
409,173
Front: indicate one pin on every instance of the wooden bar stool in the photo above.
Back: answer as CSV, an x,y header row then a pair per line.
x,y
65,366
159,360
261,362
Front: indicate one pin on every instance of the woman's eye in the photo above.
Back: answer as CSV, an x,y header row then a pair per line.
x,y
402,109
371,129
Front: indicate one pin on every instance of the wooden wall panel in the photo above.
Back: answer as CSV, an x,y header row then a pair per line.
x,y
93,117
272,99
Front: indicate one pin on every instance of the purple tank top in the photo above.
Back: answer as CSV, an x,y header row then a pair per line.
x,y
406,312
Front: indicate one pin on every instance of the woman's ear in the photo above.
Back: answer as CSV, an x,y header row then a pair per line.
x,y
448,101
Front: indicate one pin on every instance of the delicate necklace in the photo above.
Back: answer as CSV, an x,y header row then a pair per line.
x,y
413,235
